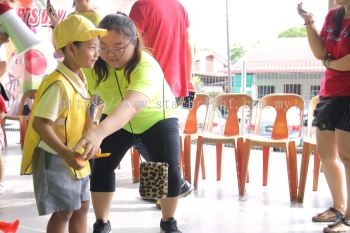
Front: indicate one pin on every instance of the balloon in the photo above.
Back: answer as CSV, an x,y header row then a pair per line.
x,y
35,62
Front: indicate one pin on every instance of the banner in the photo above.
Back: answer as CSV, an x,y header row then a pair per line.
x,y
25,72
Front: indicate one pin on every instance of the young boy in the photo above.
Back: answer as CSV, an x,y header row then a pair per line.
x,y
59,117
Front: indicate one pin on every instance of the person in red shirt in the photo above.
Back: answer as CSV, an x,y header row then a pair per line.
x,y
332,46
164,27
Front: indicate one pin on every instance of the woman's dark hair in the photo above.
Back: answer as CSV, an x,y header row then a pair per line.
x,y
337,20
123,25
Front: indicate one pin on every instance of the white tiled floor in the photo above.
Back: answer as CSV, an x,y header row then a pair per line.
x,y
215,207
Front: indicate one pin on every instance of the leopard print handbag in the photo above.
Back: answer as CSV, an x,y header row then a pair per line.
x,y
153,180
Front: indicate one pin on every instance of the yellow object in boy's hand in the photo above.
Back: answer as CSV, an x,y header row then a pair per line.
x,y
98,155
101,155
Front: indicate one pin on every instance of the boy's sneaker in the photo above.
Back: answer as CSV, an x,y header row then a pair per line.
x,y
169,226
2,187
102,227
186,188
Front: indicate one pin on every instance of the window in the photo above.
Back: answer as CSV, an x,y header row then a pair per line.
x,y
314,90
265,90
292,88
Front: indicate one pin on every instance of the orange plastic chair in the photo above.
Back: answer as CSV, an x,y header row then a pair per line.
x,y
190,133
20,116
309,145
231,134
9,227
279,138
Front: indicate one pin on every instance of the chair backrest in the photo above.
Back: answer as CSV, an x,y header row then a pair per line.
x,y
281,103
310,114
232,103
27,97
191,120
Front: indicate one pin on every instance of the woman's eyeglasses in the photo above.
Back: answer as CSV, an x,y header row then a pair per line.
x,y
117,52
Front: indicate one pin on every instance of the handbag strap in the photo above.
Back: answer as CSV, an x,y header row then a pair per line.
x,y
132,131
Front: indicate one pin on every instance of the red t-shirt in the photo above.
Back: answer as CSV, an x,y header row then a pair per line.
x,y
163,26
336,83
2,105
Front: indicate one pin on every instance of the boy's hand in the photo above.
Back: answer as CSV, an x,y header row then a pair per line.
x,y
73,159
2,115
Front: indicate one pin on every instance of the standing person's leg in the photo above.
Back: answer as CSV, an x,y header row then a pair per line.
x,y
162,143
327,114
333,171
103,176
58,222
78,221
342,137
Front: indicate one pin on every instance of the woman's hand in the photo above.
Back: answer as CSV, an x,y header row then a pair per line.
x,y
90,142
52,14
304,14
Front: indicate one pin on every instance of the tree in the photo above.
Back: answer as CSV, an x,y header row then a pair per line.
x,y
237,52
293,32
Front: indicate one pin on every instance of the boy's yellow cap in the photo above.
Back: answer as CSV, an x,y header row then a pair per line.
x,y
75,28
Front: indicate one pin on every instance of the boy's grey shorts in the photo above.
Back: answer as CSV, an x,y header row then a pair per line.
x,y
55,188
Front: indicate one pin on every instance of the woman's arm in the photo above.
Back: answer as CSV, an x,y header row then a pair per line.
x,y
315,40
133,103
46,132
341,64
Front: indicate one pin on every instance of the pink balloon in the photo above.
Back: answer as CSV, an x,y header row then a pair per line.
x,y
35,62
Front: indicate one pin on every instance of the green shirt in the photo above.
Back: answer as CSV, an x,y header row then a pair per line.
x,y
147,78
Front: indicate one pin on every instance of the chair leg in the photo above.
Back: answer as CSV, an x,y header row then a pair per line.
x,y
22,129
303,171
198,160
135,165
181,158
316,171
203,165
239,154
244,167
218,161
292,170
266,155
187,159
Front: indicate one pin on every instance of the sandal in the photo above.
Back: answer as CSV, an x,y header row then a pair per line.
x,y
320,217
341,225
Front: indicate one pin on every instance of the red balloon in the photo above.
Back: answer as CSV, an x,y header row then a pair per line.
x,y
35,62
25,2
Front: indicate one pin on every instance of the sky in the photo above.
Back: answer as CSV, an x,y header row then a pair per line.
x,y
250,21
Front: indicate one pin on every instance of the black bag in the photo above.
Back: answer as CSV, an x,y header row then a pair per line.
x,y
153,180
